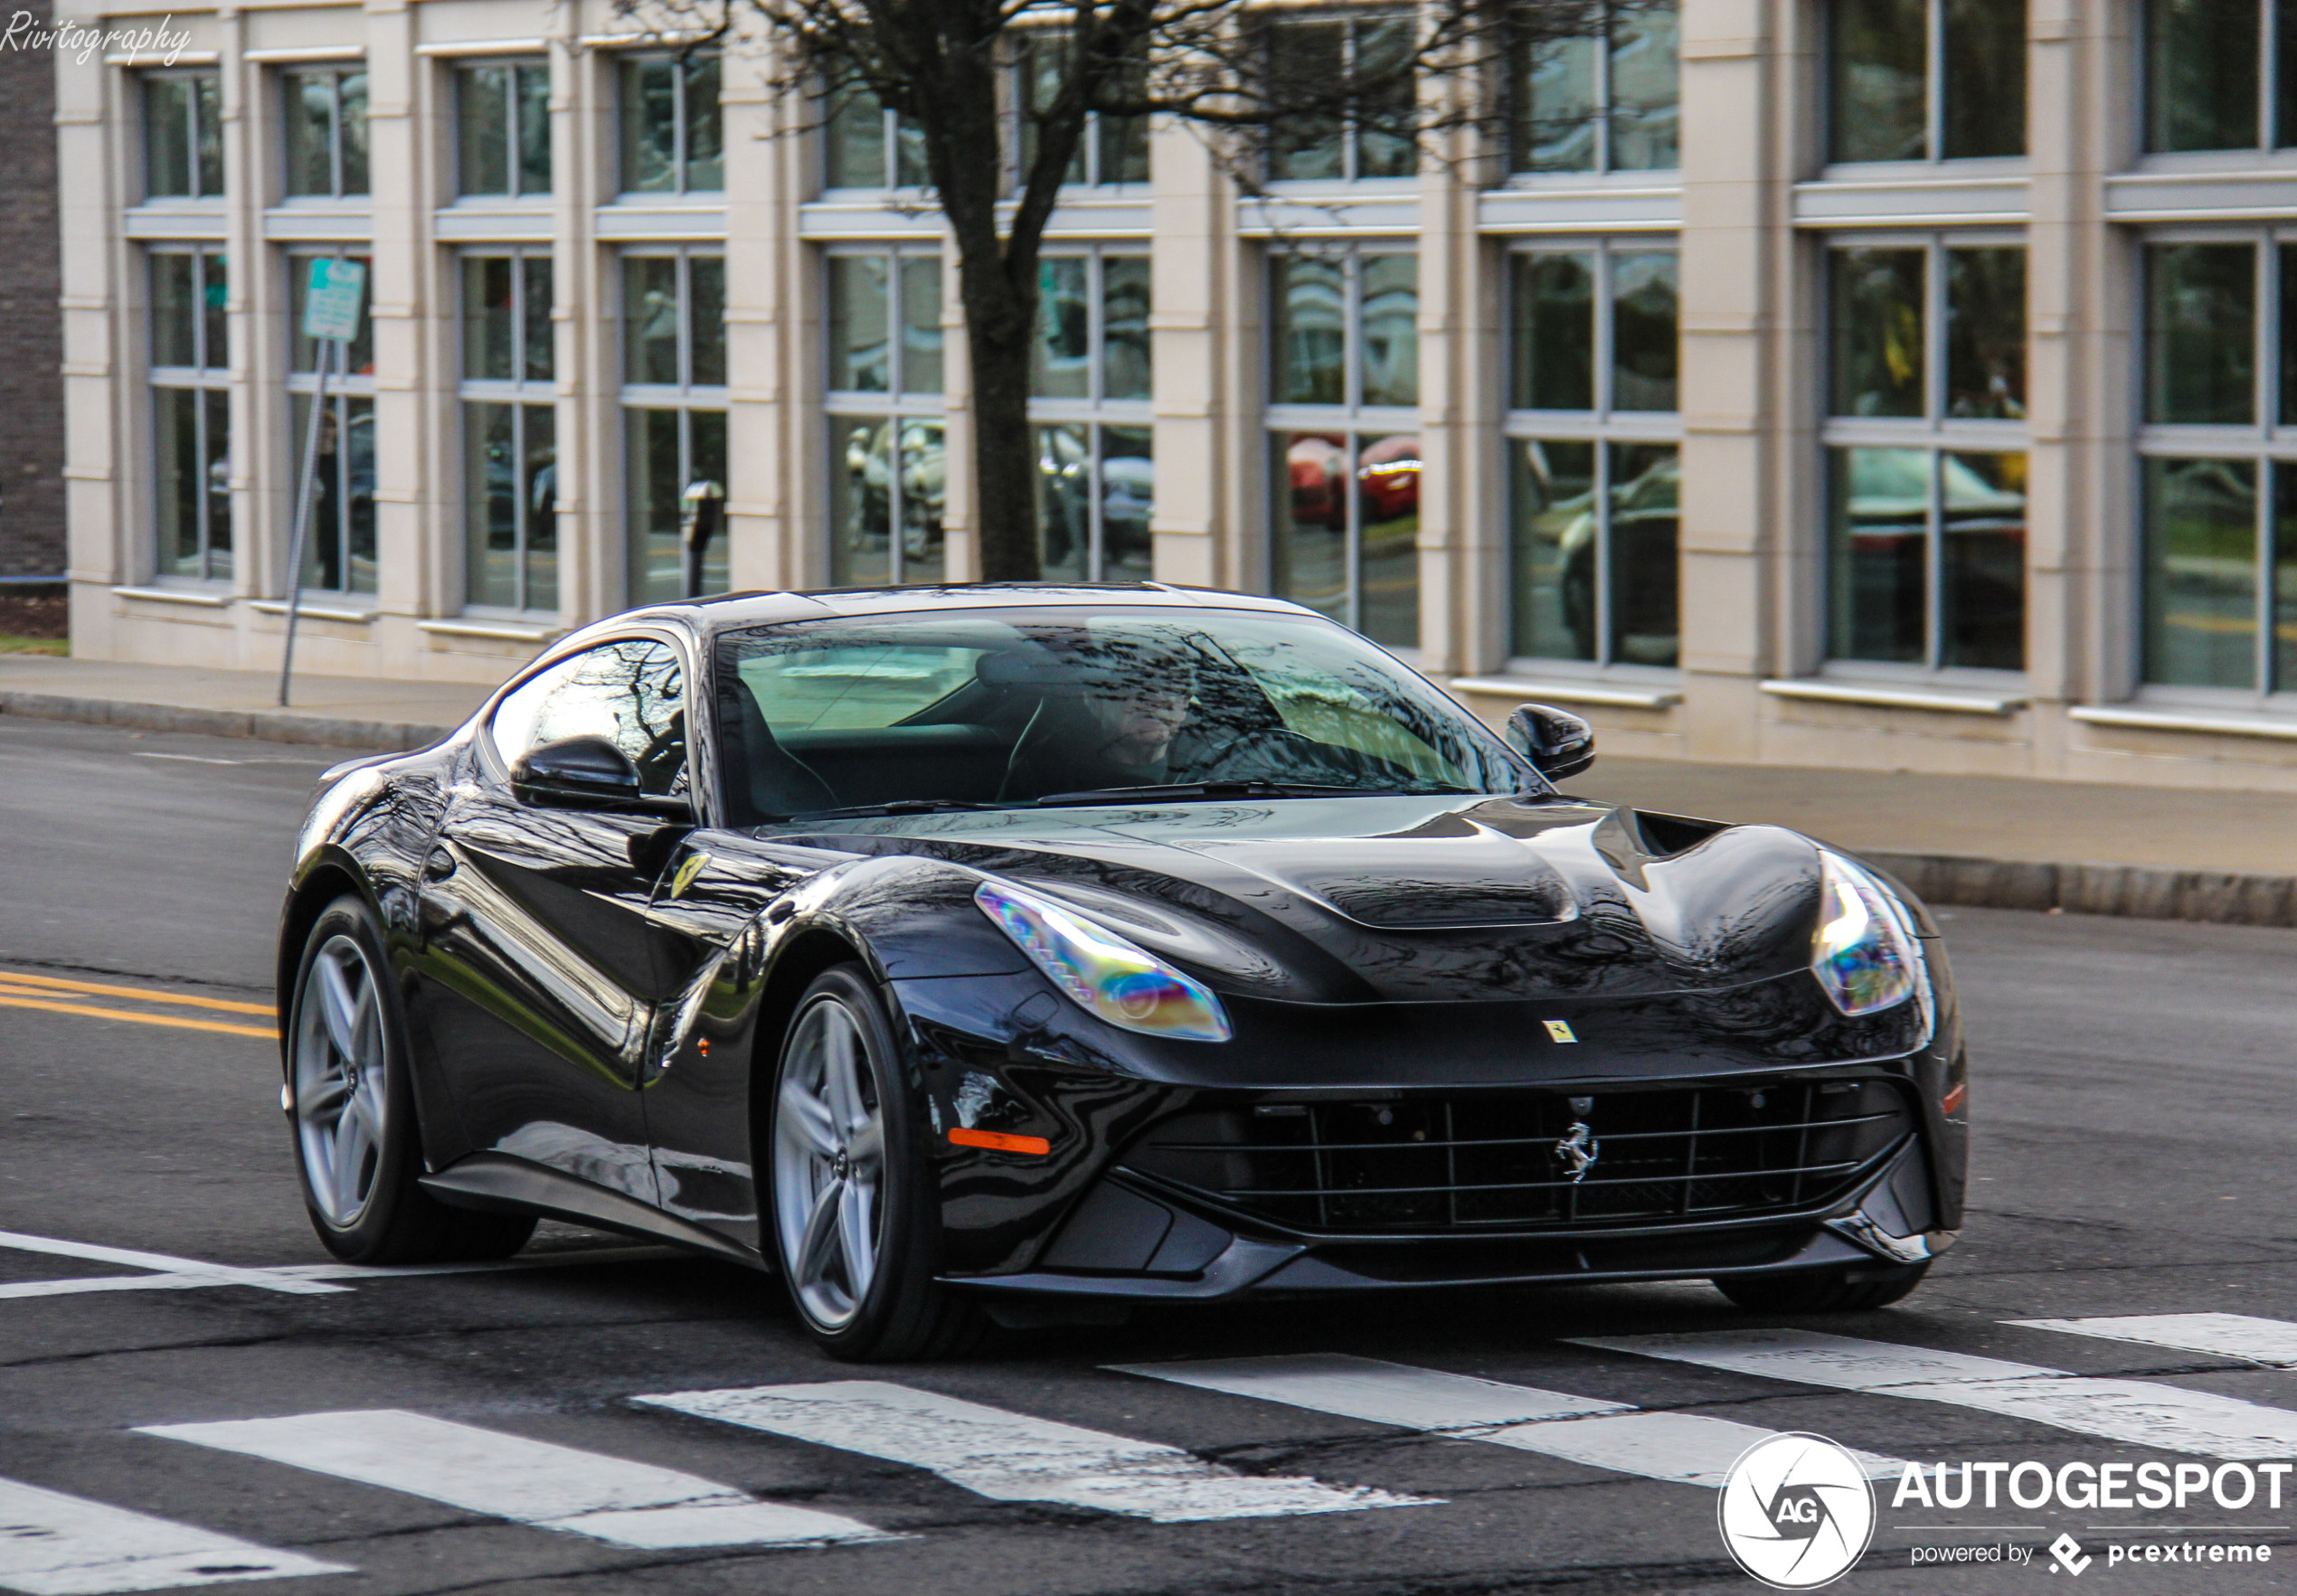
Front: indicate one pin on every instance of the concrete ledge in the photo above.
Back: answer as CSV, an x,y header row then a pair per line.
x,y
274,725
2138,891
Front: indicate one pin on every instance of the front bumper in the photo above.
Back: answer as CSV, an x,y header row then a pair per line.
x,y
1888,1222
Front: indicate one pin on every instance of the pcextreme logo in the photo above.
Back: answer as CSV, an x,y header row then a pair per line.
x,y
1796,1511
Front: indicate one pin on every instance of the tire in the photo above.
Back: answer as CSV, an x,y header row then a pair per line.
x,y
1823,1291
351,1110
854,1212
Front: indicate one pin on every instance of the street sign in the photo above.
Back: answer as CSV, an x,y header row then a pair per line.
x,y
331,306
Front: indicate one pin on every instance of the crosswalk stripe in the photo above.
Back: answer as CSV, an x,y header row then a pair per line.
x,y
1014,1458
2219,1335
531,1482
179,1280
222,1274
1688,1449
2133,1411
54,1544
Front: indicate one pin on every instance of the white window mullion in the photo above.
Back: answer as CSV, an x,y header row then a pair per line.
x,y
1934,81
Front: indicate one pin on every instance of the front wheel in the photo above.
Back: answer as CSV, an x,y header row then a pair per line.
x,y
1823,1291
856,1221
352,1106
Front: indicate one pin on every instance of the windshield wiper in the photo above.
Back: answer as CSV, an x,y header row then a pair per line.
x,y
1183,791
895,807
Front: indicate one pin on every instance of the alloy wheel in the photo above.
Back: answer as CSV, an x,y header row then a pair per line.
x,y
829,1156
340,1080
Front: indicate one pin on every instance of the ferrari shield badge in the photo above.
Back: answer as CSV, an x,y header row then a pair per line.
x,y
687,872
1560,1031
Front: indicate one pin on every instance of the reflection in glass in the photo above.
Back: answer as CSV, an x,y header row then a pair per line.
x,y
309,100
2289,328
1646,491
2201,572
351,130
2201,70
1985,89
650,315
859,358
1555,97
490,318
1064,501
1643,330
1064,329
2200,333
1647,87
340,555
924,478
650,127
1878,523
1986,333
855,141
1981,561
215,476
706,319
215,340
705,164
1043,61
175,321
1124,326
920,325
1383,98
207,134
1875,309
168,134
511,505
2284,531
483,129
540,354
1390,337
1554,327
1878,54
176,469
1308,541
1302,56
531,97
1552,549
861,503
1127,501
1309,295
1388,560
655,484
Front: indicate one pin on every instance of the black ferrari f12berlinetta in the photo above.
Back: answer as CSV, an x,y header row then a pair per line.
x,y
1003,952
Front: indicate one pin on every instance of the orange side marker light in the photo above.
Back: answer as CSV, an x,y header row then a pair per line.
x,y
1000,1142
1955,1099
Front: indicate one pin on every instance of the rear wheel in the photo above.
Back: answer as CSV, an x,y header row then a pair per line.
x,y
1823,1291
352,1108
856,1221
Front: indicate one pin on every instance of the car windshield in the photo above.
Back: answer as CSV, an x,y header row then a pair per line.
x,y
1004,707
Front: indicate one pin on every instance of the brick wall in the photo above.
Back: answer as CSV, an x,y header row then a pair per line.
x,y
32,421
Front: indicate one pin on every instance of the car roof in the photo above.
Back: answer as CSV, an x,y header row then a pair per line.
x,y
735,611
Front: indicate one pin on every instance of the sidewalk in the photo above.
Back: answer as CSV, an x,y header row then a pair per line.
x,y
2154,853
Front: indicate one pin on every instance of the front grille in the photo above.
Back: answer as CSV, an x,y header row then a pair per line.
x,y
1493,1160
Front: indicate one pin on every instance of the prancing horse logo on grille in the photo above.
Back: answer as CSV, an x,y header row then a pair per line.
x,y
1579,1151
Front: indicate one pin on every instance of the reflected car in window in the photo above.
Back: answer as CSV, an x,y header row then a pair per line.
x,y
987,954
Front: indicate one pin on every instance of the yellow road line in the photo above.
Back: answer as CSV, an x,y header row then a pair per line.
x,y
17,978
10,1001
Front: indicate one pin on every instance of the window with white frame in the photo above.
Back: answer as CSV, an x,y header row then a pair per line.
x,y
339,554
865,144
1925,80
2218,461
503,128
182,136
674,407
1113,149
510,432
191,412
888,460
1925,451
672,128
1088,408
1593,445
2220,74
1344,446
1368,139
1608,99
325,110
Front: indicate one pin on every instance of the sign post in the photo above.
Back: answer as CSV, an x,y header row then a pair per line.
x,y
331,320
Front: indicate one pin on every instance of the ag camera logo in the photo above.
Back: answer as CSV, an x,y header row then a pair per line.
x,y
1796,1512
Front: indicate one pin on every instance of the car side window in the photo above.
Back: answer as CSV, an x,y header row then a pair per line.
x,y
631,692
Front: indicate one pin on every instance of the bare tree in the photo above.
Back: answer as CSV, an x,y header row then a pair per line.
x,y
1244,73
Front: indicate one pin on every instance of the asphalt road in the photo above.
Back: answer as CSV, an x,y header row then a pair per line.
x,y
2132,1157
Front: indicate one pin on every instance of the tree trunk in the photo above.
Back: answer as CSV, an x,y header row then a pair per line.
x,y
1004,463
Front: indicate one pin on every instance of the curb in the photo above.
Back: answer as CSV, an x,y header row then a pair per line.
x,y
2137,891
268,725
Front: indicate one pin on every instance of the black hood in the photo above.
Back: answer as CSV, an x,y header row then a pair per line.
x,y
1431,898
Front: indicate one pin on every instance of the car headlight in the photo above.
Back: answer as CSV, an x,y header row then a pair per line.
x,y
1865,954
1103,973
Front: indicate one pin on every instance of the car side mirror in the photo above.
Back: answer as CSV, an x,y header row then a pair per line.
x,y
1559,745
587,773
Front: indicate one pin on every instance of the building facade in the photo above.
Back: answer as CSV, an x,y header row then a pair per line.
x,y
31,440
1877,382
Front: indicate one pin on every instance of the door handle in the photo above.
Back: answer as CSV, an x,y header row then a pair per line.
x,y
439,864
